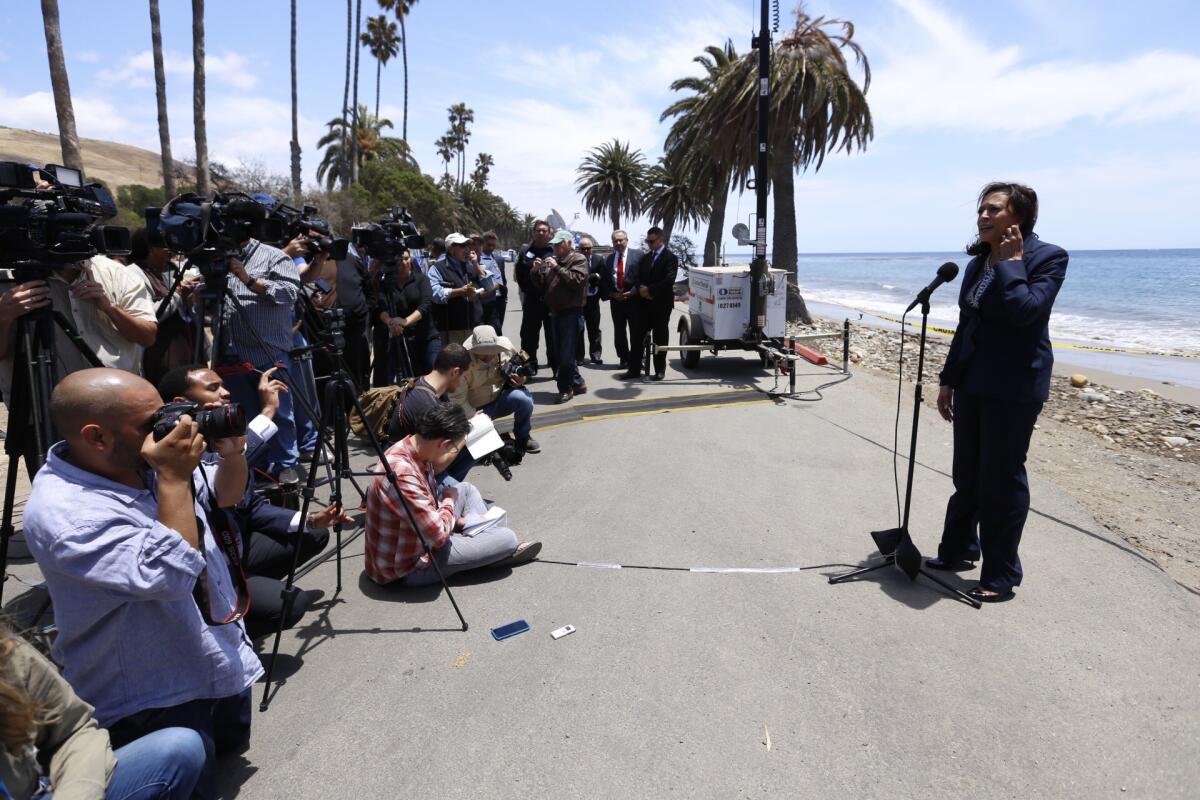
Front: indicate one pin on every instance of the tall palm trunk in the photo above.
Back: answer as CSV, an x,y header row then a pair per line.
x,y
160,95
297,189
354,110
716,221
67,137
345,174
198,110
615,213
404,55
784,247
378,75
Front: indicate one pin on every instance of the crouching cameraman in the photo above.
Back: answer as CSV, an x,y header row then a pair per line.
x,y
493,386
143,597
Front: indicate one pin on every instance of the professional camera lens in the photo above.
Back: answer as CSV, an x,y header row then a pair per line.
x,y
222,422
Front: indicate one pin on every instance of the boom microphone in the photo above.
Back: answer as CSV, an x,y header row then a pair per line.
x,y
946,273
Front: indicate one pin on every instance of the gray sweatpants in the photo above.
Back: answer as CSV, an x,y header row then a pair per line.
x,y
461,553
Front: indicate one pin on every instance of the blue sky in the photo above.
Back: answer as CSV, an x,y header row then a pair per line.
x,y
1096,104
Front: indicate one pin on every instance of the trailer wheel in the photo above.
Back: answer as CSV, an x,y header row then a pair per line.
x,y
689,358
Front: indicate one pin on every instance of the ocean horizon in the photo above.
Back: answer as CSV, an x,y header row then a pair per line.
x,y
1132,299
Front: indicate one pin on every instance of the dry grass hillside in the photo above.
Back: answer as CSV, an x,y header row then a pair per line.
x,y
115,164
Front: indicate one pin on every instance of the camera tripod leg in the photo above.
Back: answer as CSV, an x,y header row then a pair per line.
x,y
959,593
845,576
6,526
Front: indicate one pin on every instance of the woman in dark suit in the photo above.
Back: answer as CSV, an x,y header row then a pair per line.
x,y
996,378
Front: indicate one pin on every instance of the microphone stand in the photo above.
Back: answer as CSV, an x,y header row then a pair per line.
x,y
895,544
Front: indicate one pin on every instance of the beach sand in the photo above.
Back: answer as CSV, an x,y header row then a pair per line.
x,y
1131,457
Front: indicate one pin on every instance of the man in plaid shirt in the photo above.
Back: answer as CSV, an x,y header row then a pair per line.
x,y
394,548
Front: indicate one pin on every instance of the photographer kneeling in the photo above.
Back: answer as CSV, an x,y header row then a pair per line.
x,y
493,387
394,551
268,533
143,596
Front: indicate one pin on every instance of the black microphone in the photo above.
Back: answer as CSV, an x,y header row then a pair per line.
x,y
946,273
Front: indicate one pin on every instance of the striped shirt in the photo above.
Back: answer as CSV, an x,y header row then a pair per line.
x,y
270,314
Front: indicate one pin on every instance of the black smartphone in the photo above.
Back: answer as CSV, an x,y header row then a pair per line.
x,y
510,630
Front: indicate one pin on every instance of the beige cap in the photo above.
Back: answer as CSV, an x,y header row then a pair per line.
x,y
456,238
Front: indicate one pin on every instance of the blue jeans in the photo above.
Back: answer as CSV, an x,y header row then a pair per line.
x,y
568,327
282,450
459,467
306,384
163,765
223,726
517,402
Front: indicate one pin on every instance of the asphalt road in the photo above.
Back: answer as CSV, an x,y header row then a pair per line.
x,y
720,685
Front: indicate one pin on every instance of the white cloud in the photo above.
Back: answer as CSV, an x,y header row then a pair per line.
x,y
940,74
555,104
87,56
94,117
137,70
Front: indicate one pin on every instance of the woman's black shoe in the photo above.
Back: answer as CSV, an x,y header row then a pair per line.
x,y
958,565
985,596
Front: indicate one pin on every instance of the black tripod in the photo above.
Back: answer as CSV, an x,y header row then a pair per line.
x,y
339,395
895,544
35,373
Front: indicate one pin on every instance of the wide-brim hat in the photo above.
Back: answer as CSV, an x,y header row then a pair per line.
x,y
484,341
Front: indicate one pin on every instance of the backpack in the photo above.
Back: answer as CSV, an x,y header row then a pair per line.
x,y
377,405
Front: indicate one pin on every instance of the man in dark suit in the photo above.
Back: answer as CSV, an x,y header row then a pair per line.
x,y
535,314
993,385
616,281
591,309
653,294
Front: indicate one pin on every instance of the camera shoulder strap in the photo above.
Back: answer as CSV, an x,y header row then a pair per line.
x,y
227,542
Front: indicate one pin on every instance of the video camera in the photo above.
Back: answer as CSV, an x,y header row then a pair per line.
x,y
54,225
206,230
517,365
304,222
387,237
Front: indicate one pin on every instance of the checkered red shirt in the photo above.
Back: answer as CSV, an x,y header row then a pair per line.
x,y
393,547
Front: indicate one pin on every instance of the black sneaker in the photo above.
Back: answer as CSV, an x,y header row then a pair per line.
x,y
528,445
565,397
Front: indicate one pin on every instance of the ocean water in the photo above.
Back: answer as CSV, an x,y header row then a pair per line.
x,y
1139,299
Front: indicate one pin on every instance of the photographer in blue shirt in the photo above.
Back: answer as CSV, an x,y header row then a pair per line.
x,y
129,556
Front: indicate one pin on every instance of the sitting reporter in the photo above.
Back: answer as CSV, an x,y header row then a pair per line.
x,y
197,383
267,533
426,392
49,740
406,340
486,389
129,557
394,551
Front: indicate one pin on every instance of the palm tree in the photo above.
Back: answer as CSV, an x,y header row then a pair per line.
x,y
672,200
446,148
382,40
696,152
67,137
816,108
612,179
527,222
370,145
354,96
198,110
160,95
402,8
346,127
483,166
297,189
461,118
